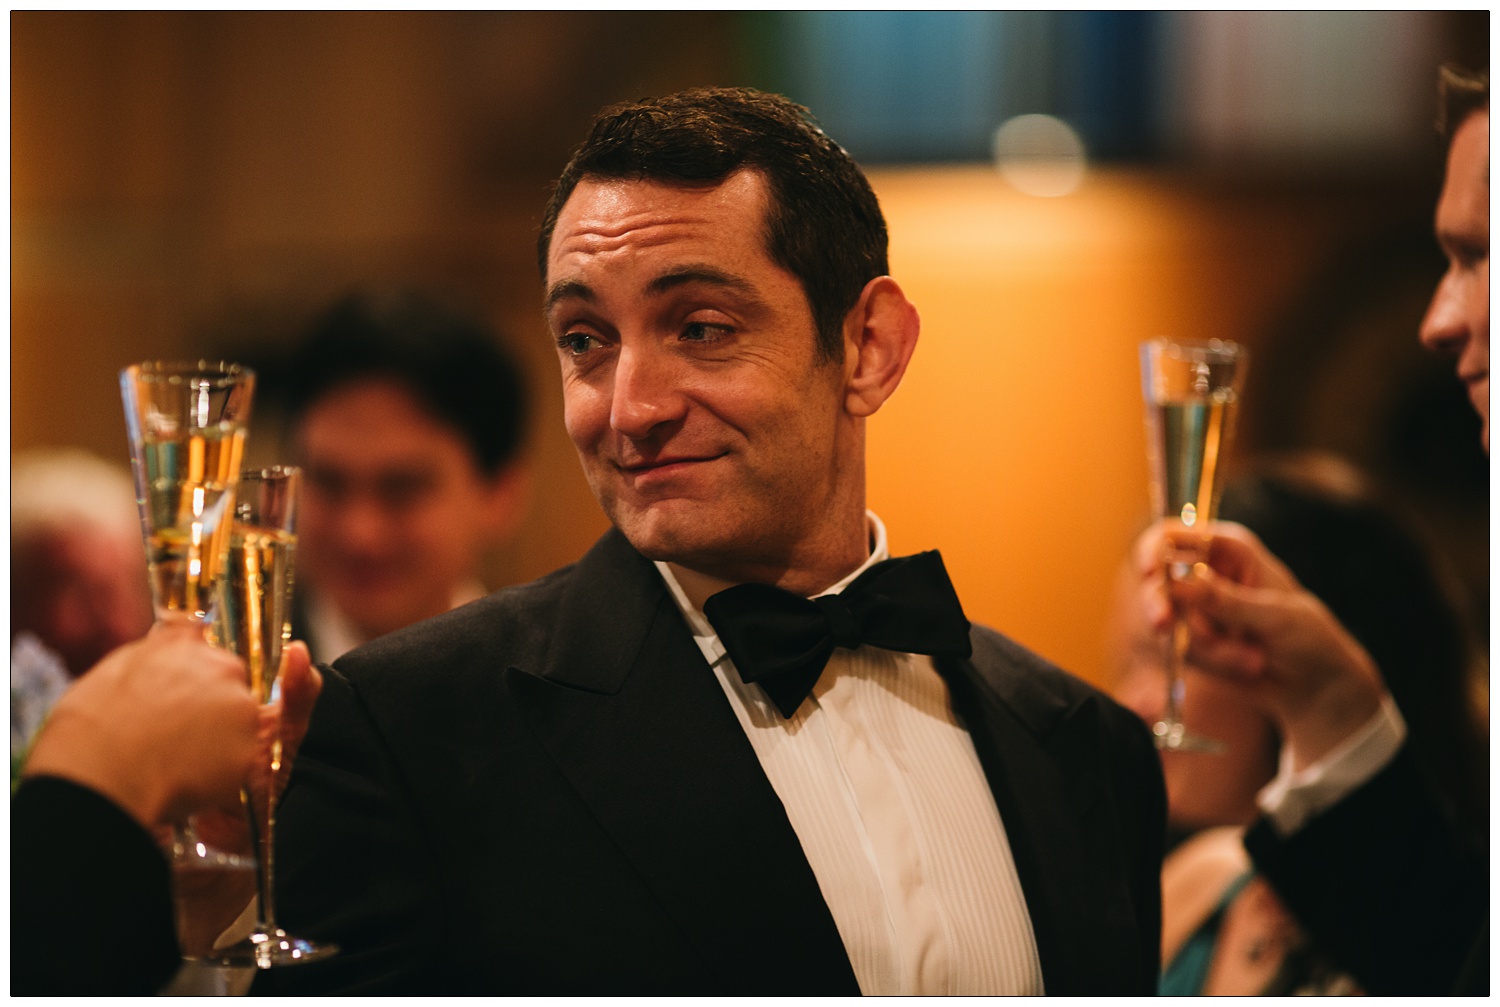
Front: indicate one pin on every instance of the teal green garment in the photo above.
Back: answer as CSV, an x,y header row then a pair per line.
x,y
1188,971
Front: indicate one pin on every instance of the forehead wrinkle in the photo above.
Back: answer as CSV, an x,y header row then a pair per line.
x,y
602,236
647,226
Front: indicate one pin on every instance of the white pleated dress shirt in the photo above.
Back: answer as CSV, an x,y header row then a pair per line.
x,y
885,792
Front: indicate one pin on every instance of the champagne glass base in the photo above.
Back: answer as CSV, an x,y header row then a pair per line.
x,y
270,949
1171,737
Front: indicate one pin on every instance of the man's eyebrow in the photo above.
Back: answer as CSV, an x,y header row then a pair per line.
x,y
710,275
566,289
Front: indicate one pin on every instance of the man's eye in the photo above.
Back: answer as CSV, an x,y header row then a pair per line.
x,y
576,343
703,332
322,483
402,492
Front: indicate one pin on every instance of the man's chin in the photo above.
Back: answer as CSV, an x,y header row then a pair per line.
x,y
375,614
654,542
667,533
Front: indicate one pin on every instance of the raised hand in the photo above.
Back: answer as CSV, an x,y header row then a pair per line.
x,y
1251,622
164,727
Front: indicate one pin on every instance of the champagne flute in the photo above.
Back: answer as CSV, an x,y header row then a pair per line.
x,y
255,621
186,424
1191,391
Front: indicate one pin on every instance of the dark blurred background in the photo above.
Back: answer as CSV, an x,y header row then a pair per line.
x,y
187,184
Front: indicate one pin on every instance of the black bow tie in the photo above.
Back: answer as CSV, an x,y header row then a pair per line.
x,y
783,640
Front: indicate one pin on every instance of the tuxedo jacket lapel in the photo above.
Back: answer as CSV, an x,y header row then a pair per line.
x,y
1032,745
688,804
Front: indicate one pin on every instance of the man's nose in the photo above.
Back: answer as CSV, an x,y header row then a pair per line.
x,y
647,391
1443,327
360,523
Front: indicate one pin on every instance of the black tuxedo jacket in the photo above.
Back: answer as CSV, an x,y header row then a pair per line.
x,y
547,791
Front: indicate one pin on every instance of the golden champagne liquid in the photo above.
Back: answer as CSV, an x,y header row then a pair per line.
x,y
1190,436
256,611
189,484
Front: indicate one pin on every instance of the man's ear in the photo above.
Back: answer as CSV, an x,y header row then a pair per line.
x,y
880,334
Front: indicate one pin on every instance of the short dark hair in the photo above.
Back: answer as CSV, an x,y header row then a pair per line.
x,y
450,361
824,224
1460,94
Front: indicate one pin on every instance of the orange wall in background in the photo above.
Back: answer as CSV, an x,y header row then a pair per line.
x,y
1015,443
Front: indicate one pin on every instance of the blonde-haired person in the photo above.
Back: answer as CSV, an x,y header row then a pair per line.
x,y
78,575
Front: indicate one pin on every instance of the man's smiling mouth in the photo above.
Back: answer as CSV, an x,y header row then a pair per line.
x,y
666,464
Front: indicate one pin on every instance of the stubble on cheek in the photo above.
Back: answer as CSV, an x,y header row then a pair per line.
x,y
598,473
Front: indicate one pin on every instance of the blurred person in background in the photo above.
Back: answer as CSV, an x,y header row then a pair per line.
x,y
78,576
1352,837
1224,930
408,419
161,728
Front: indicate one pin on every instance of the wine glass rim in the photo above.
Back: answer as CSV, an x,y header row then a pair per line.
x,y
270,472
213,372
1217,348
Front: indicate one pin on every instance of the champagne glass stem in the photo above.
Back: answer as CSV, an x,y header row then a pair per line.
x,y
261,821
1170,732
257,843
263,829
268,946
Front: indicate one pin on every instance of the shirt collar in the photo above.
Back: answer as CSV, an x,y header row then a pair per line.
x,y
704,586
336,635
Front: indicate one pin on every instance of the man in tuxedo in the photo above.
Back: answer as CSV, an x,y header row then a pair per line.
x,y
1353,837
665,769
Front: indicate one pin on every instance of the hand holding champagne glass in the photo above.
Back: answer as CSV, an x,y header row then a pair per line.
x,y
255,621
1191,390
186,424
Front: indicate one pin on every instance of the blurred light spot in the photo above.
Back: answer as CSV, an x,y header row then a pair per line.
x,y
1040,155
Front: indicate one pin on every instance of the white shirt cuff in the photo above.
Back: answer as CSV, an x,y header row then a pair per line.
x,y
1293,797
